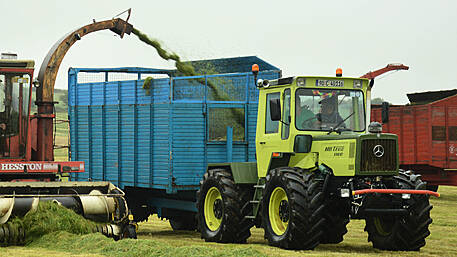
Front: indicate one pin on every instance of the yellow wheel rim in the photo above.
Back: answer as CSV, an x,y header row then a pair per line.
x,y
213,209
379,227
278,211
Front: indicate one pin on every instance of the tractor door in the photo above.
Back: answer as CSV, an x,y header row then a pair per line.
x,y
15,100
268,138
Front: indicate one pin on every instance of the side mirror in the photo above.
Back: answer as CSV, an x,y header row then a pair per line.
x,y
385,112
371,83
275,109
302,143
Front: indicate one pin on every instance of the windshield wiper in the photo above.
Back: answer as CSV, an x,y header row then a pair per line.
x,y
335,129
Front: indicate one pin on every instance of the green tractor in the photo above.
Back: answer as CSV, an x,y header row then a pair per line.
x,y
319,164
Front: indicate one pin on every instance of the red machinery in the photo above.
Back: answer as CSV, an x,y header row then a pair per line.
x,y
27,147
389,67
26,141
427,134
19,158
426,129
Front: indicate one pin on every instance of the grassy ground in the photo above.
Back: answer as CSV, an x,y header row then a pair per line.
x,y
156,238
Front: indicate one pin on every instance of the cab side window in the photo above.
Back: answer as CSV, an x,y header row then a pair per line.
x,y
271,126
2,92
286,114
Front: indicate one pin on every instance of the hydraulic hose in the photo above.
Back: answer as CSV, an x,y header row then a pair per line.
x,y
395,191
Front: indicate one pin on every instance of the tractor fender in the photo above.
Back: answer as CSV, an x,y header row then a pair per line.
x,y
242,172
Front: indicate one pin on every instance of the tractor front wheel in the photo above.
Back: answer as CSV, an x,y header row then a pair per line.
x,y
292,209
219,204
406,233
336,219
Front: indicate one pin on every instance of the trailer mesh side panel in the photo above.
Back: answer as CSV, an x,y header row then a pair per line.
x,y
386,162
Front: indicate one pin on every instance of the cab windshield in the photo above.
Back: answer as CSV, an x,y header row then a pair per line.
x,y
327,109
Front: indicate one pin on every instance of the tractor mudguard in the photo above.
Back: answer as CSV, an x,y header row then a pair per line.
x,y
242,172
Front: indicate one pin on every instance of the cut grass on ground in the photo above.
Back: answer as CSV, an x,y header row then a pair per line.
x,y
156,238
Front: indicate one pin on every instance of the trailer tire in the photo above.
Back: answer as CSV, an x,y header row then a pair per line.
x,y
403,233
183,223
129,231
292,209
336,219
219,205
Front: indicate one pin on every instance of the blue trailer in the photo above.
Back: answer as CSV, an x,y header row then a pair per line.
x,y
155,142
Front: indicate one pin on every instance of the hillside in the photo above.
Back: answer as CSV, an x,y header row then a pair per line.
x,y
60,95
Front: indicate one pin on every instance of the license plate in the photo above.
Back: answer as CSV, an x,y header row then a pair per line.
x,y
329,83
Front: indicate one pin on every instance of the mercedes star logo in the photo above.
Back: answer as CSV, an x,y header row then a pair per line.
x,y
378,151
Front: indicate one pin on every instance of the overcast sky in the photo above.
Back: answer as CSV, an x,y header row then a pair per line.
x,y
299,37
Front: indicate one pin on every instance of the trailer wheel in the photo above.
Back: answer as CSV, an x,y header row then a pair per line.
x,y
183,223
403,233
219,204
129,231
336,219
292,209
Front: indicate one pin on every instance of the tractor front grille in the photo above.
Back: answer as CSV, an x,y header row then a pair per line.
x,y
373,160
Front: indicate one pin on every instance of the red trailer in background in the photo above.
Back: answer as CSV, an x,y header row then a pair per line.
x,y
427,134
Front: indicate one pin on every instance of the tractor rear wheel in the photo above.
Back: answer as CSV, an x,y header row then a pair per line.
x,y
292,209
406,233
219,205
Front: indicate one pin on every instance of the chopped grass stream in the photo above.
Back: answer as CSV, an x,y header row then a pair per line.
x,y
186,69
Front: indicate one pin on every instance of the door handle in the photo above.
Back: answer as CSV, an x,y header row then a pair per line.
x,y
262,143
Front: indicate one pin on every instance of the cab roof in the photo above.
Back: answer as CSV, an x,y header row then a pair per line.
x,y
19,64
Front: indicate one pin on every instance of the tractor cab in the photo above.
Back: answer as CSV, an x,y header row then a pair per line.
x,y
15,99
298,116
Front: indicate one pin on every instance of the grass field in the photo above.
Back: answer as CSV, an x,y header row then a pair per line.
x,y
156,238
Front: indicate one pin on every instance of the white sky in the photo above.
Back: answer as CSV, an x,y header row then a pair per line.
x,y
299,37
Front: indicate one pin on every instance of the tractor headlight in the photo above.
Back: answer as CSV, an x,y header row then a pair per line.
x,y
263,83
406,196
345,192
357,83
301,82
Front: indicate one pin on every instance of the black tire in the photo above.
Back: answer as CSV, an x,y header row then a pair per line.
x,y
129,231
233,227
183,223
336,218
403,233
140,213
302,210
433,188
